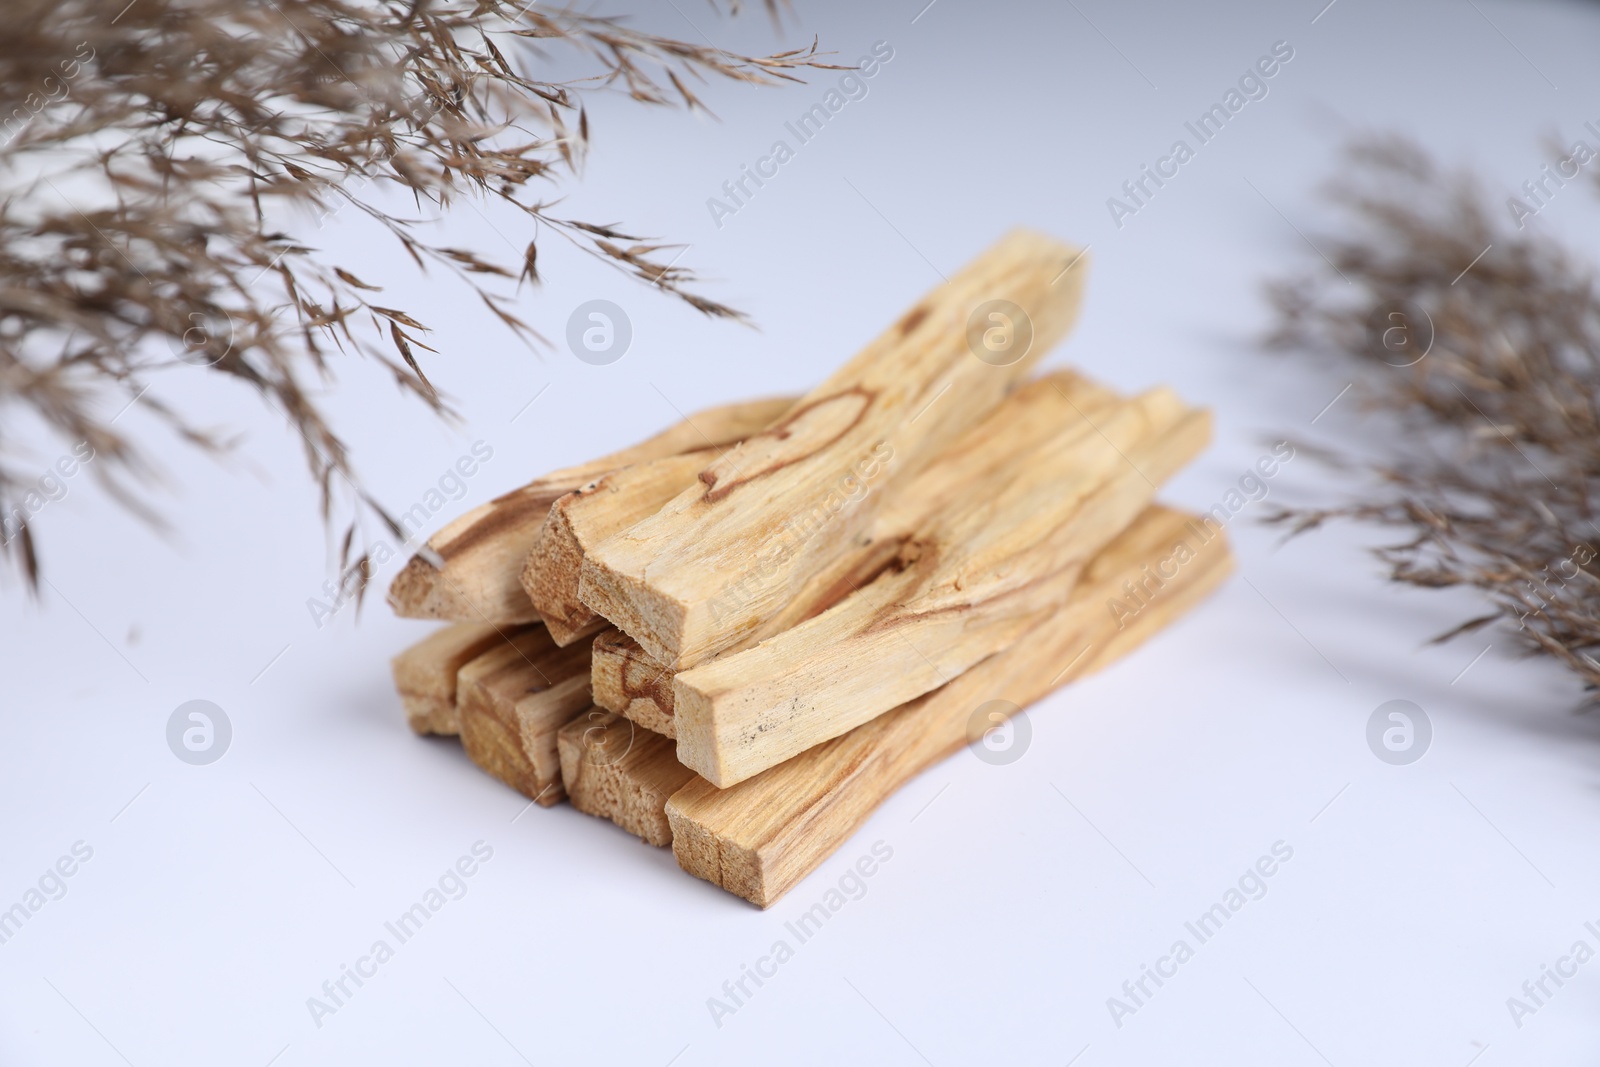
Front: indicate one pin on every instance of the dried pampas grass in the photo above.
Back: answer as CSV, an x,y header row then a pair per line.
x,y
148,142
1490,362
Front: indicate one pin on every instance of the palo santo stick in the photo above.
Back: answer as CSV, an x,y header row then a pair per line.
x,y
730,552
425,673
980,577
761,837
587,516
513,700
626,680
617,771
468,572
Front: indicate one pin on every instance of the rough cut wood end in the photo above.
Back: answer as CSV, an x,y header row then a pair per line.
x,y
425,674
617,771
512,702
630,683
606,506
628,602
720,860
468,570
550,574
420,592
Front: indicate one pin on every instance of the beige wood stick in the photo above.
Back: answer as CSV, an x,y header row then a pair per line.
x,y
425,673
469,570
628,681
587,516
618,771
762,836
512,700
727,554
979,577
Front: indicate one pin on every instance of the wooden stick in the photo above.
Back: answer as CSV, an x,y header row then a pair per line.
x,y
425,673
627,681
617,771
468,571
759,838
513,700
981,576
587,516
767,517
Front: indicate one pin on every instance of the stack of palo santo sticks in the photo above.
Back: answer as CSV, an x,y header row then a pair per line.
x,y
740,636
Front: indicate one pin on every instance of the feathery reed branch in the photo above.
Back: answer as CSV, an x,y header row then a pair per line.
x,y
1483,340
150,150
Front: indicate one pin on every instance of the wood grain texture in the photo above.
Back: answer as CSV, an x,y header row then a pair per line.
x,y
615,770
764,519
762,836
585,517
978,576
425,673
513,700
470,569
628,681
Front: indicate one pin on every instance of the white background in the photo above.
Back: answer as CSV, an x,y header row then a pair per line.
x,y
1418,899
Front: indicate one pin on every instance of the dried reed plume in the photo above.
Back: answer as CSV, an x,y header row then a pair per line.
x,y
149,149
1490,363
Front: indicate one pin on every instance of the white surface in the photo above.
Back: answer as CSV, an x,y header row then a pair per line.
x,y
1418,898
